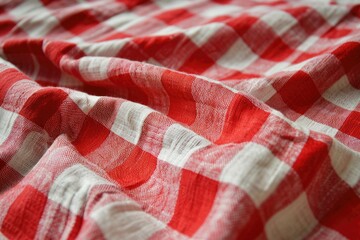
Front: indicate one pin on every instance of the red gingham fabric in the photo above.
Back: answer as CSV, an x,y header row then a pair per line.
x,y
164,119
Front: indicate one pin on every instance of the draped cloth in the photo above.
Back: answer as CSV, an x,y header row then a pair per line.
x,y
179,119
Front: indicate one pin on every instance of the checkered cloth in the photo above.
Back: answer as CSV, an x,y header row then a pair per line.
x,y
132,119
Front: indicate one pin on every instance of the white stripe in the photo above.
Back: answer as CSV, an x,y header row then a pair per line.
x,y
286,67
71,187
259,88
293,222
123,21
256,170
84,101
129,121
166,4
7,120
4,65
125,220
343,94
179,143
201,34
238,57
217,10
33,18
29,153
168,31
103,49
323,232
315,126
94,68
279,21
2,237
332,14
345,162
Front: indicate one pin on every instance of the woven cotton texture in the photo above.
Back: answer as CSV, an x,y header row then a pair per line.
x,y
179,119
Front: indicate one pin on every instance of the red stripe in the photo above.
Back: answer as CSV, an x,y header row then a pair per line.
x,y
132,51
299,92
308,19
253,228
345,216
42,105
313,157
56,50
179,88
79,22
197,63
91,136
76,227
114,35
136,169
161,48
23,216
18,52
132,3
277,51
47,70
348,54
195,199
242,23
351,125
174,16
8,176
6,26
332,201
12,76
337,33
122,80
243,121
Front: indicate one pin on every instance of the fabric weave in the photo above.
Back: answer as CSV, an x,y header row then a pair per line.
x,y
164,119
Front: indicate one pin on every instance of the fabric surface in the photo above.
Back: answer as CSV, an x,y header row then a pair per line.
x,y
179,119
